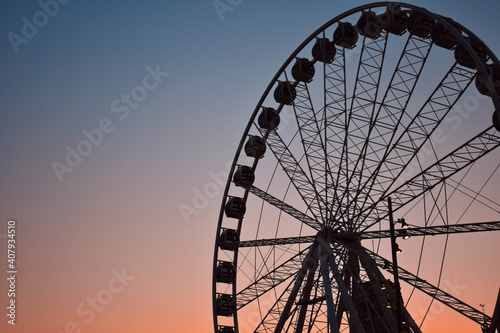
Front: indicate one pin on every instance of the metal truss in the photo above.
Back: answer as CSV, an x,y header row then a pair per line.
x,y
334,120
437,173
312,143
292,168
421,127
270,280
359,119
391,110
416,231
435,230
416,134
286,208
270,320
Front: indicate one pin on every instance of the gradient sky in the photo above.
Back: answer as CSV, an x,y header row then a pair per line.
x,y
117,212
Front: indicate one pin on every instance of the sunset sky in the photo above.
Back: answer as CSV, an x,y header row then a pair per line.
x,y
163,91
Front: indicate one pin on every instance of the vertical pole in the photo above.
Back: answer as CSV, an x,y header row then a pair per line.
x,y
395,269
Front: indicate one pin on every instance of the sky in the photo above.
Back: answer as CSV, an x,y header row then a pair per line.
x,y
114,115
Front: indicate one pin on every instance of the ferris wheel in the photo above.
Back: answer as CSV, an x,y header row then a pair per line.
x,y
382,125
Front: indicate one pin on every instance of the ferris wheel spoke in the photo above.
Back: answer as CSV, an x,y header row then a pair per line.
x,y
294,291
379,234
360,117
434,230
271,279
437,173
477,196
433,291
286,208
277,241
312,142
420,129
294,171
270,319
334,123
334,117
391,110
261,263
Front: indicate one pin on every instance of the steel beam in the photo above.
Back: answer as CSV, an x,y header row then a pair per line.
x,y
313,223
415,231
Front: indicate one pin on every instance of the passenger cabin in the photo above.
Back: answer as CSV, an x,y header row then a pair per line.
x,y
345,35
225,305
494,74
235,208
255,146
441,36
394,21
496,121
303,70
225,272
324,50
229,240
244,176
463,57
420,24
368,25
285,93
269,118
